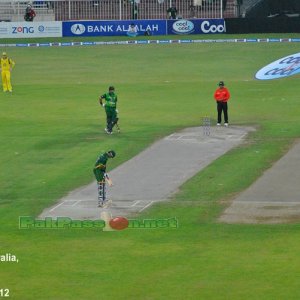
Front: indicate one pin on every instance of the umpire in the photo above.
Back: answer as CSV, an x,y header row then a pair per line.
x,y
110,106
222,95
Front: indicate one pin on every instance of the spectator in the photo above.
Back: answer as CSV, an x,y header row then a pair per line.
x,y
29,13
135,11
172,12
148,32
192,11
239,4
95,3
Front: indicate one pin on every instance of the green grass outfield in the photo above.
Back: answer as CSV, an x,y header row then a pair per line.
x,y
52,131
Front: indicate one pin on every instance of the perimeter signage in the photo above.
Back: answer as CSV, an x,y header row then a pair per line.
x,y
30,29
196,26
113,28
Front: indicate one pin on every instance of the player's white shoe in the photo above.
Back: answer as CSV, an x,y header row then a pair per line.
x,y
218,124
226,124
105,204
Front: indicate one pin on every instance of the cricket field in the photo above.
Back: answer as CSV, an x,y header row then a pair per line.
x,y
52,132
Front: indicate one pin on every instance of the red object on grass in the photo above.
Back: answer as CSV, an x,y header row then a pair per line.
x,y
118,223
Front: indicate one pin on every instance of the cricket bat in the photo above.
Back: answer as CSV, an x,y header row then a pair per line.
x,y
108,180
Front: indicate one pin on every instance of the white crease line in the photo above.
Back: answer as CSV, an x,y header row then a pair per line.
x,y
126,207
173,137
71,200
146,206
136,202
56,206
76,202
118,206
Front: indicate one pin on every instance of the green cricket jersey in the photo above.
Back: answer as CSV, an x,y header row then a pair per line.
x,y
101,162
110,100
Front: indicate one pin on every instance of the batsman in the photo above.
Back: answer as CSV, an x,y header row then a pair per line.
x,y
111,111
101,175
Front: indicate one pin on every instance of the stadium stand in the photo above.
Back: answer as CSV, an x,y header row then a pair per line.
x,y
6,11
270,8
14,11
62,10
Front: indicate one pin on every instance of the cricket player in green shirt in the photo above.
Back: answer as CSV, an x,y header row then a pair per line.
x,y
100,174
110,106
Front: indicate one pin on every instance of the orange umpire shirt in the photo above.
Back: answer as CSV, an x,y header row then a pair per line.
x,y
222,94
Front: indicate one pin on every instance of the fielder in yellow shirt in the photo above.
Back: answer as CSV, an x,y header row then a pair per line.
x,y
6,65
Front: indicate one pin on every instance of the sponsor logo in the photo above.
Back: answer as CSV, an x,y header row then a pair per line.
x,y
88,43
186,41
41,28
206,27
283,67
22,29
183,26
78,29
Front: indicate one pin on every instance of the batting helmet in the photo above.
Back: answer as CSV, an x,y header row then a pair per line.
x,y
221,83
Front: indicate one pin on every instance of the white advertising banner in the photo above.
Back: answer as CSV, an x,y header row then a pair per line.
x,y
30,29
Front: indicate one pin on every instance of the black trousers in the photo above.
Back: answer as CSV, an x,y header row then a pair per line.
x,y
222,107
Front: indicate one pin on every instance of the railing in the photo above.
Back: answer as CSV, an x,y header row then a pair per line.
x,y
64,10
246,6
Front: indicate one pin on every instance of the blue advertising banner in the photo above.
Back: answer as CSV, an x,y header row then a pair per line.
x,y
114,28
196,26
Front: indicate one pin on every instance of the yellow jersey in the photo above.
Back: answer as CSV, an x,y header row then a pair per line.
x,y
6,64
